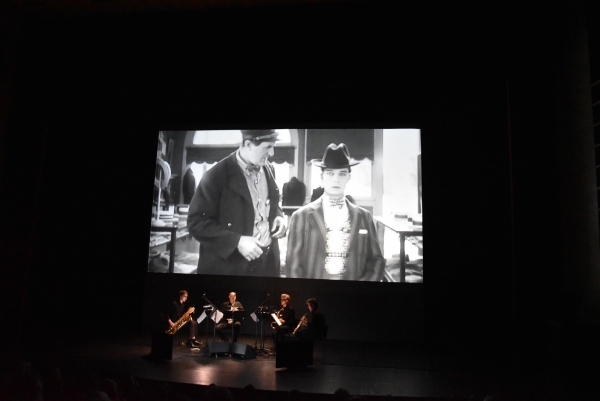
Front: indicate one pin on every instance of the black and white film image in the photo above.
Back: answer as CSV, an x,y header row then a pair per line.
x,y
332,204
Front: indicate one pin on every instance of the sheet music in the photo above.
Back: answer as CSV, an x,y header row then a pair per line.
x,y
254,317
217,316
276,319
202,317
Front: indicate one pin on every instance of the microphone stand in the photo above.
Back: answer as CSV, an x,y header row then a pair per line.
x,y
256,329
260,310
232,324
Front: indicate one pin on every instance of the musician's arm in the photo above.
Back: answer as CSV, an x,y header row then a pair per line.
x,y
172,315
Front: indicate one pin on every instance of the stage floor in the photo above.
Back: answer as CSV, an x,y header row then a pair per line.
x,y
362,368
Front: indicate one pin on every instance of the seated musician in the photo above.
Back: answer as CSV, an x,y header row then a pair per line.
x,y
176,311
312,325
225,326
287,317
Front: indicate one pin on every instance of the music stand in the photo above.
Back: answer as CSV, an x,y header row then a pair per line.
x,y
230,314
209,310
210,307
265,314
261,311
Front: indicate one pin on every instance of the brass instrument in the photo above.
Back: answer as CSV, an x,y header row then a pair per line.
x,y
303,322
274,324
187,316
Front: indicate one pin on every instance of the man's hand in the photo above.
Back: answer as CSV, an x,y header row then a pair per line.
x,y
249,247
278,229
171,323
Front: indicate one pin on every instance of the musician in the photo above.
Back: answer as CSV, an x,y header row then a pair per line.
x,y
224,327
287,317
312,325
176,311
332,238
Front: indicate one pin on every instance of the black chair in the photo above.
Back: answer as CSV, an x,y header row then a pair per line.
x,y
324,332
162,343
320,348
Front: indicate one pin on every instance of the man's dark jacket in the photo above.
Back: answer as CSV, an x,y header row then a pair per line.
x,y
307,241
221,212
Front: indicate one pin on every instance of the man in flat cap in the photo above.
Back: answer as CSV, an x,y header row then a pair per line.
x,y
332,238
235,213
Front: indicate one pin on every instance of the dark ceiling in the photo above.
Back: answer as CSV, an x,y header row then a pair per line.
x,y
45,8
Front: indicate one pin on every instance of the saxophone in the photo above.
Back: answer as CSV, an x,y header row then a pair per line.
x,y
303,322
274,324
187,316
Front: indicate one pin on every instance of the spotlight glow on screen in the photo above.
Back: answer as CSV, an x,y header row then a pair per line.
x,y
213,215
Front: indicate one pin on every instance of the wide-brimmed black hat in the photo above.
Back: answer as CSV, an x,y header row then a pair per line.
x,y
335,156
260,135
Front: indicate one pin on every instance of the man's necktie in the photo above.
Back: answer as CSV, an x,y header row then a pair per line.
x,y
252,168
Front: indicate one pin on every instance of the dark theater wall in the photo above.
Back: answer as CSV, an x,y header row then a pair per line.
x,y
102,86
93,91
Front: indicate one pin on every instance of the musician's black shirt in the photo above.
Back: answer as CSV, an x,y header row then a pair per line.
x,y
176,310
316,322
315,329
288,315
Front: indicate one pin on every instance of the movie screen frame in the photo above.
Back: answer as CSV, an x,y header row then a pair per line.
x,y
383,191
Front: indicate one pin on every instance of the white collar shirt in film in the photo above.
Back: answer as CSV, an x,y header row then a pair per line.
x,y
337,224
259,192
